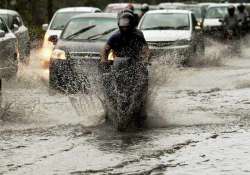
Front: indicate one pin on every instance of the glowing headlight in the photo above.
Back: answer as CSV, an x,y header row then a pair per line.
x,y
58,54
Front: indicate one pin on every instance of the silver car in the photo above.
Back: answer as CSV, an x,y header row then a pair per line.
x,y
16,25
8,52
172,32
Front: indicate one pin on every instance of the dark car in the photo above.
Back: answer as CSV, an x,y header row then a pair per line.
x,y
77,51
197,10
16,25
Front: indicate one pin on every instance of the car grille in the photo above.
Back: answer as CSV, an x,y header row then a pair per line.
x,y
82,55
161,44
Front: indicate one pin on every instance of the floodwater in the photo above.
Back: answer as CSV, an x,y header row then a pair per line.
x,y
197,123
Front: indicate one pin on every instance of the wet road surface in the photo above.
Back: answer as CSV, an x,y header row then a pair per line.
x,y
198,122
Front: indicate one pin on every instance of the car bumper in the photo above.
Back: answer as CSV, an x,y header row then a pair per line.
x,y
183,51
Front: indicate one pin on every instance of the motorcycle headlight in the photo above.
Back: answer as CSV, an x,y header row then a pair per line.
x,y
182,42
58,54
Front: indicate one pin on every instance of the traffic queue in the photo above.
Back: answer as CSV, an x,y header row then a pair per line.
x,y
174,29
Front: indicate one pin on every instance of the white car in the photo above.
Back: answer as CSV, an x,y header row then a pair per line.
x,y
57,24
16,25
8,53
172,31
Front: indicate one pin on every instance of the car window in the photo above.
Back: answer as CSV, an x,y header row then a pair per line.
x,y
61,19
196,10
101,25
216,12
4,17
3,26
168,21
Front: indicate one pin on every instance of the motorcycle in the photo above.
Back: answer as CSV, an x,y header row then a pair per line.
x,y
125,86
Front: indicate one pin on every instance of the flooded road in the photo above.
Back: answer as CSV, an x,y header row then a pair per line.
x,y
198,122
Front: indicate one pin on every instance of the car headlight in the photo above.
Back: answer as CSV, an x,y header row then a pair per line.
x,y
58,54
182,42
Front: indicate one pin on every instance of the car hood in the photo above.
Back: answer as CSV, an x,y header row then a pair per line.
x,y
80,46
211,22
166,35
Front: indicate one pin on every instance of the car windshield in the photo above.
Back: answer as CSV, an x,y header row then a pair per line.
x,y
101,28
4,17
196,10
166,21
3,26
216,12
61,19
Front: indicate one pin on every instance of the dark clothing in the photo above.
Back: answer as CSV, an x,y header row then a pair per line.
x,y
127,45
231,22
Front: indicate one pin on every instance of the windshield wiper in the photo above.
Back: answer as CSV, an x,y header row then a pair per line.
x,y
181,27
159,28
93,37
80,32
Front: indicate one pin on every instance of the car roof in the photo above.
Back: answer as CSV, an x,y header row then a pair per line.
x,y
7,11
169,11
222,5
98,15
171,3
78,9
123,5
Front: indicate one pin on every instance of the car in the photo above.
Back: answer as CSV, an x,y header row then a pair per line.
x,y
16,25
117,7
57,24
9,54
153,7
212,26
198,11
173,32
78,48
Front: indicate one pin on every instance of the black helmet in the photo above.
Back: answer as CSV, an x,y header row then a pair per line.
x,y
145,8
231,10
126,22
241,8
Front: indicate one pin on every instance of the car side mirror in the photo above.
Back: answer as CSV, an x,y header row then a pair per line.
x,y
45,27
53,39
2,33
15,27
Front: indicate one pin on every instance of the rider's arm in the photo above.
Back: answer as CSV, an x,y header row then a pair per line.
x,y
105,52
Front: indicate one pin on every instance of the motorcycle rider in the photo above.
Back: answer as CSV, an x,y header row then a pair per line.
x,y
144,9
125,89
137,18
243,19
230,22
128,41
